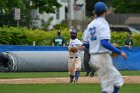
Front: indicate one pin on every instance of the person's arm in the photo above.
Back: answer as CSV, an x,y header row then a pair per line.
x,y
128,44
64,42
86,45
132,42
52,44
105,36
64,45
105,43
81,47
85,37
125,43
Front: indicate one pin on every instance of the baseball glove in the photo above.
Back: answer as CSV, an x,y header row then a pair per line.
x,y
114,55
73,49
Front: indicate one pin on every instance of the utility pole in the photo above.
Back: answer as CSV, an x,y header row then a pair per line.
x,y
69,13
84,12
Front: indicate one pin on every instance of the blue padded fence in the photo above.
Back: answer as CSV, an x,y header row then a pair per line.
x,y
4,48
132,62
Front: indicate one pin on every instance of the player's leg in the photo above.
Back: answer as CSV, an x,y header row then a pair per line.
x,y
77,74
106,81
100,62
116,89
86,61
71,69
114,76
92,73
77,68
118,80
89,70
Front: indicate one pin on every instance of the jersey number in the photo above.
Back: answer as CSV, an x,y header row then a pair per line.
x,y
92,33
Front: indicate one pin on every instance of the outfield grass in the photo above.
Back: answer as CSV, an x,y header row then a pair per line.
x,y
130,73
52,74
32,75
61,88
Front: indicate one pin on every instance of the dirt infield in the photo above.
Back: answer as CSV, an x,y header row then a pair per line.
x,y
127,79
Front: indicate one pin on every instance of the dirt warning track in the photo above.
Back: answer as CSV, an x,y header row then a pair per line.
x,y
127,79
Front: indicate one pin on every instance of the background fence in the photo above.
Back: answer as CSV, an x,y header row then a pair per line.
x,y
132,62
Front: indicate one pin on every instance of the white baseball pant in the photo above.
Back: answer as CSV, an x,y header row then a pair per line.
x,y
109,76
74,64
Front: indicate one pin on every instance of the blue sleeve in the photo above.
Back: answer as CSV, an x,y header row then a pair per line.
x,y
86,45
105,43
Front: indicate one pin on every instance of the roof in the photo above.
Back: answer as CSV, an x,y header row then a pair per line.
x,y
124,26
133,20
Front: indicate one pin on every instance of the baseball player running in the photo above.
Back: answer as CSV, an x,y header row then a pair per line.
x,y
74,61
98,36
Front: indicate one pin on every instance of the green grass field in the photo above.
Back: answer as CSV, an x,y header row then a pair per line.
x,y
59,88
52,74
62,88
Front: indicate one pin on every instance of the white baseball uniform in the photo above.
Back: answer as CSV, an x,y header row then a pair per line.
x,y
109,76
74,59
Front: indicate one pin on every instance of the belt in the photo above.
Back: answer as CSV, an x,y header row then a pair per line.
x,y
101,53
73,57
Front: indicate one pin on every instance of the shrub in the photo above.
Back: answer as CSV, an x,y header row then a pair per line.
x,y
61,26
12,35
121,37
24,36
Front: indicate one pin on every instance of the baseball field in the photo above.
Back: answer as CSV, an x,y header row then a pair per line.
x,y
57,82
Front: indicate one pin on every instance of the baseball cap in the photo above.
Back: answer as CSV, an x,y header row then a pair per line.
x,y
74,32
100,7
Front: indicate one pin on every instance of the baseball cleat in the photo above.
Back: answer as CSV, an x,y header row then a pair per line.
x,y
91,74
75,81
71,78
87,74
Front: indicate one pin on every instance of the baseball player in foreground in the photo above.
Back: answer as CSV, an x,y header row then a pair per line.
x,y
74,61
98,35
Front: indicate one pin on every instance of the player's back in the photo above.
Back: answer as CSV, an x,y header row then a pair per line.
x,y
98,29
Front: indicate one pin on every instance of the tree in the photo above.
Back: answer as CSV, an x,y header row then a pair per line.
x,y
7,10
120,6
8,5
125,6
43,5
90,6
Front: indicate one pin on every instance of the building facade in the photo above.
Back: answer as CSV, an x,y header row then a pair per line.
x,y
77,12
